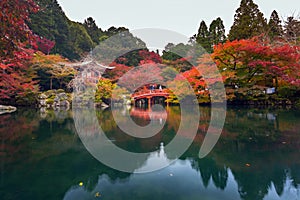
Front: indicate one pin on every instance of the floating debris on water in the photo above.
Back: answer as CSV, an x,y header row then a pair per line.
x,y
97,194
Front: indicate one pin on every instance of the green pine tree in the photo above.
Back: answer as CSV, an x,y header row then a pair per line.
x,y
202,37
274,26
79,38
217,31
248,21
51,23
292,29
92,29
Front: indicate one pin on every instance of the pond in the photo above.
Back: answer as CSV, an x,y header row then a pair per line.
x,y
256,157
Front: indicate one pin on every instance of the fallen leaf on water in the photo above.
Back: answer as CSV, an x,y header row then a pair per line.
x,y
248,165
97,194
81,184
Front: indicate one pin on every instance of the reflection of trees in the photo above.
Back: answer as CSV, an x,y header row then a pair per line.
x,y
264,139
249,136
41,163
252,185
15,133
56,155
271,151
18,129
294,174
253,181
50,177
123,140
55,122
219,177
260,126
209,169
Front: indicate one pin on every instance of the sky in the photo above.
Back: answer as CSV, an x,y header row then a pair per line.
x,y
182,16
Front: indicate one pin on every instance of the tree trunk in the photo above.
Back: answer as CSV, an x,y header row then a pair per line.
x,y
50,83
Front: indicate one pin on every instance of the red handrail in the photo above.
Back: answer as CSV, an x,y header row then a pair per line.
x,y
147,92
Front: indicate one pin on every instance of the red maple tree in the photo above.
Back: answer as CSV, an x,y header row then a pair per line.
x,y
149,57
17,43
247,62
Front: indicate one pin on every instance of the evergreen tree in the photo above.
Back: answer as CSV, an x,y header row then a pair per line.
x,y
113,30
175,52
248,21
72,39
274,26
217,31
292,29
118,46
203,38
51,23
79,38
92,29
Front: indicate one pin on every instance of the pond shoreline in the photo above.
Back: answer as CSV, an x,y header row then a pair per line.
x,y
242,104
59,99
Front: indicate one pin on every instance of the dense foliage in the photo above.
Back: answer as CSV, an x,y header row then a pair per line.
x,y
51,23
37,39
51,72
17,44
248,65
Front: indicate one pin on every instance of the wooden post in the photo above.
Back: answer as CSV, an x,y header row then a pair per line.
x,y
149,102
167,103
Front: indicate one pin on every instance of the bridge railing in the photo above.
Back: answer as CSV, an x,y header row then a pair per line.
x,y
150,92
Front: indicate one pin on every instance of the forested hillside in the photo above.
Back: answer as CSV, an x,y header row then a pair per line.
x,y
72,39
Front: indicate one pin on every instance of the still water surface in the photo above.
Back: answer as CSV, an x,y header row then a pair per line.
x,y
257,157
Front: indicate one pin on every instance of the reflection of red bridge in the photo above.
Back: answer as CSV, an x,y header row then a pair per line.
x,y
149,97
148,114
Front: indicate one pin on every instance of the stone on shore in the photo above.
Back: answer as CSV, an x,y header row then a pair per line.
x,y
7,109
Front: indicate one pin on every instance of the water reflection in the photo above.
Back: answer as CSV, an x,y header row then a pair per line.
x,y
148,114
155,159
256,158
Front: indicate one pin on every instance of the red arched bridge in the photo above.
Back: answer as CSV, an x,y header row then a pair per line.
x,y
150,96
